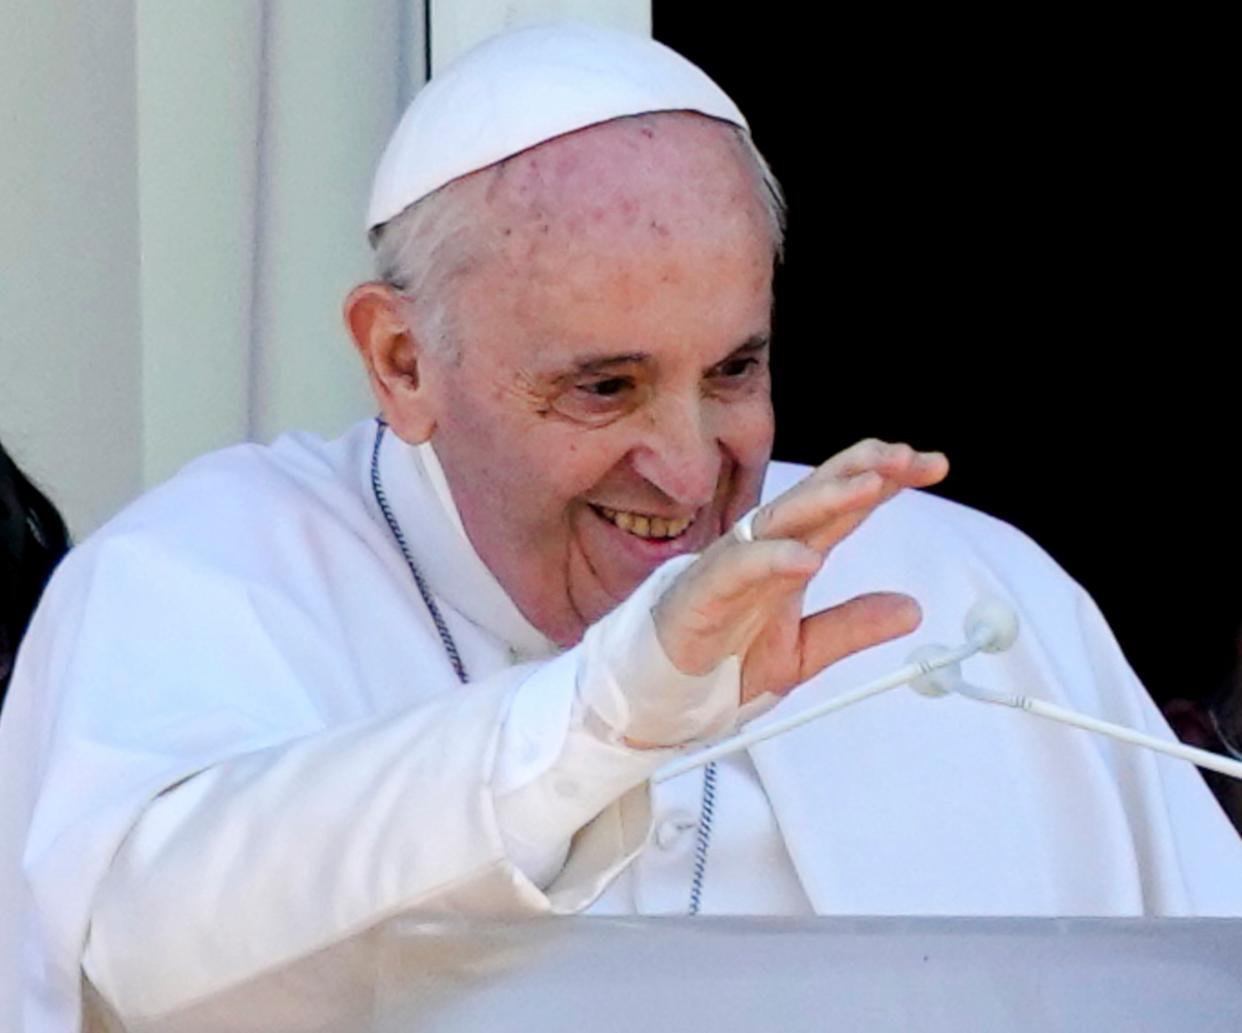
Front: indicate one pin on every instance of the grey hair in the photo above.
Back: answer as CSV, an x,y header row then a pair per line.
x,y
771,193
420,251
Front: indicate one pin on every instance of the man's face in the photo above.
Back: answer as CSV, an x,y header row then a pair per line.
x,y
609,404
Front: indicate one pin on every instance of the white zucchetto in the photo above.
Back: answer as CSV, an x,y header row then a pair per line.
x,y
523,88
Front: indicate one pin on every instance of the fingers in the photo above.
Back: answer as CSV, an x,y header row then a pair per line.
x,y
830,503
815,504
715,608
742,570
864,621
724,578
738,594
897,462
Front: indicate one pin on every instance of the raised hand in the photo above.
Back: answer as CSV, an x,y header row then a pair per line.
x,y
745,598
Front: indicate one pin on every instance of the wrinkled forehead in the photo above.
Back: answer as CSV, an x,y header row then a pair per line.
x,y
622,229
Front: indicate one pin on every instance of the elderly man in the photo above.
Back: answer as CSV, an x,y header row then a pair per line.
x,y
430,667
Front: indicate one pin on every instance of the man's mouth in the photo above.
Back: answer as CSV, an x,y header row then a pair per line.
x,y
643,525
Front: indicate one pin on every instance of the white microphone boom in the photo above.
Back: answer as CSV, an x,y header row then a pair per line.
x,y
991,626
1122,733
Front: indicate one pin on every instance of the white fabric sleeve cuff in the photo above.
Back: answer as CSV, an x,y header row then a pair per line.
x,y
562,755
538,820
634,688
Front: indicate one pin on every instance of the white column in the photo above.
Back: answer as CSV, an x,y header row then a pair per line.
x,y
336,82
70,359
199,101
260,126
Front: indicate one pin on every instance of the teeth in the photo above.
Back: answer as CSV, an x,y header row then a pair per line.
x,y
644,526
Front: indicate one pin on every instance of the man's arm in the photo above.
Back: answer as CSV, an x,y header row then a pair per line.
x,y
449,808
268,856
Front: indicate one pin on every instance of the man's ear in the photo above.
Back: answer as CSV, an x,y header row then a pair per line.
x,y
396,364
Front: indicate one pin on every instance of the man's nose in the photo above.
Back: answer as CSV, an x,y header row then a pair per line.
x,y
680,454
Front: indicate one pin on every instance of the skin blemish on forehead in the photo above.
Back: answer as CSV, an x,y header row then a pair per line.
x,y
580,168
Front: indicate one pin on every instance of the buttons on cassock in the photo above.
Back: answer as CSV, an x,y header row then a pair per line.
x,y
672,830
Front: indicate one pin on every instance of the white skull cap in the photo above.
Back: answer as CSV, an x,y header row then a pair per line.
x,y
527,86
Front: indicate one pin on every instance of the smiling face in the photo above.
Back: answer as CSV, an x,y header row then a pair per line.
x,y
607,405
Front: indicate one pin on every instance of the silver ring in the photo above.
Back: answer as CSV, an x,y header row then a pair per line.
x,y
744,529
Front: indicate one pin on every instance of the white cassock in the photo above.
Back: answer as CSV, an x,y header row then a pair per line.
x,y
235,739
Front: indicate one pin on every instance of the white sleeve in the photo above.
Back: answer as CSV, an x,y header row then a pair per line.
x,y
264,858
562,751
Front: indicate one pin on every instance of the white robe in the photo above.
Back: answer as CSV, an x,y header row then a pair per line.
x,y
257,605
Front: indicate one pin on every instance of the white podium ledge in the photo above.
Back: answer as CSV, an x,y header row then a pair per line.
x,y
871,975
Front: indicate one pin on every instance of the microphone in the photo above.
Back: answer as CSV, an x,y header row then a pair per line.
x,y
992,626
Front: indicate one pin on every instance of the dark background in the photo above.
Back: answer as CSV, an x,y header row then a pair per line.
x,y
1015,241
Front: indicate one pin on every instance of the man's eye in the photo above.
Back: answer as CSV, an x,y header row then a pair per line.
x,y
600,401
609,388
735,369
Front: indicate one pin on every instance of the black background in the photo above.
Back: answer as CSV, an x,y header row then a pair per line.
x,y
1015,240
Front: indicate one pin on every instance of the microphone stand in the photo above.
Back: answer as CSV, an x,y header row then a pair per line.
x,y
992,627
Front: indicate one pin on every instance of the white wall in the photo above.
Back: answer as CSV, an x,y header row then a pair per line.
x,y
182,194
